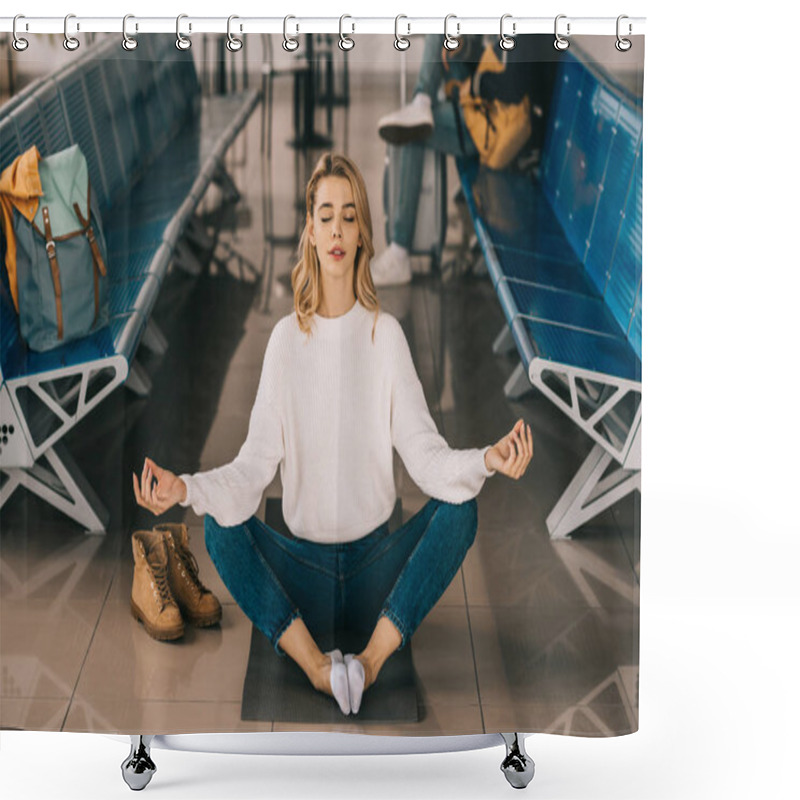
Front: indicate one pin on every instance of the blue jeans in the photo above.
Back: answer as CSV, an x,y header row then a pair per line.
x,y
444,139
276,578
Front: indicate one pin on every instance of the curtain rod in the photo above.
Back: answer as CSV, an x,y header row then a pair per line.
x,y
567,26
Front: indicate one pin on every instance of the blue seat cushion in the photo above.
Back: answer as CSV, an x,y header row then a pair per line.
x,y
539,270
589,350
120,336
515,212
139,220
565,308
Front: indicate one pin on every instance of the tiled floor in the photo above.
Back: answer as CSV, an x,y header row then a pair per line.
x,y
532,635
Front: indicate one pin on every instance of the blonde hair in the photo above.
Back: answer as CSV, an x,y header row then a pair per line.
x,y
306,283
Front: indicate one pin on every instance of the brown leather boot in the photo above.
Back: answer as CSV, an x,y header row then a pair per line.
x,y
151,599
197,604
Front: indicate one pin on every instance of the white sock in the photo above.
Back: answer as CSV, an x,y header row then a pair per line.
x,y
355,680
339,682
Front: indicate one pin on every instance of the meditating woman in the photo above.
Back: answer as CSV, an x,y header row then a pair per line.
x,y
338,390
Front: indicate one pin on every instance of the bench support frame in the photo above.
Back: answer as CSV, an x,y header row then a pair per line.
x,y
57,479
69,408
153,338
592,400
518,383
46,468
504,344
591,491
138,380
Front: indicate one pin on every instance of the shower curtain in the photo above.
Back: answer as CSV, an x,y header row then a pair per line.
x,y
497,272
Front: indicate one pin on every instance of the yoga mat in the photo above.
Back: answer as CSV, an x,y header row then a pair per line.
x,y
277,690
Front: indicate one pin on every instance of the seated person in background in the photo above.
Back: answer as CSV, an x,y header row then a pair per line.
x,y
496,104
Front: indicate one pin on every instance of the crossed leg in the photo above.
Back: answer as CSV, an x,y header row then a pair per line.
x,y
396,580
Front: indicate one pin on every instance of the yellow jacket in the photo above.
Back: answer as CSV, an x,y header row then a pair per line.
x,y
20,188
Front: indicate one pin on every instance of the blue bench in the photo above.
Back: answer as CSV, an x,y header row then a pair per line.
x,y
153,145
564,252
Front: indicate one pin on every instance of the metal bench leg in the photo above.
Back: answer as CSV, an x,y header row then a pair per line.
x,y
518,384
56,478
517,766
138,381
13,480
230,193
153,338
589,493
186,259
504,342
138,768
196,233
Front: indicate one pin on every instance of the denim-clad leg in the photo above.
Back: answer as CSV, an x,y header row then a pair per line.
x,y
444,139
431,70
276,579
401,575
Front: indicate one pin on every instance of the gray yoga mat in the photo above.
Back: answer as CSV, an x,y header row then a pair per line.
x,y
277,690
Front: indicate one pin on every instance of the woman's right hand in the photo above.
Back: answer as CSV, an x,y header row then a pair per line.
x,y
160,488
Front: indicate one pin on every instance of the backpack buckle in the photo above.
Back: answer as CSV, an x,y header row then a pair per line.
x,y
50,247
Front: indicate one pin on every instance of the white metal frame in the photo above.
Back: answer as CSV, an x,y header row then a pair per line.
x,y
43,386
625,679
57,479
592,402
614,435
594,488
46,468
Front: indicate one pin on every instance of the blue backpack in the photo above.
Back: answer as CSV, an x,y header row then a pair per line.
x,y
61,277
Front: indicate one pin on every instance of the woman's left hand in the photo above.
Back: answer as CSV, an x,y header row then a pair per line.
x,y
512,454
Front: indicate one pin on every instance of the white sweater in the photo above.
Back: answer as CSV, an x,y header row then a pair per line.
x,y
329,409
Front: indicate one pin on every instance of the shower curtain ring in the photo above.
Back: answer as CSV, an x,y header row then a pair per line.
x,y
18,43
623,45
70,42
181,42
507,42
233,44
345,42
400,42
451,42
561,43
128,42
290,43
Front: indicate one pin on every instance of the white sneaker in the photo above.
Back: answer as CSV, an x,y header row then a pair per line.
x,y
411,123
392,267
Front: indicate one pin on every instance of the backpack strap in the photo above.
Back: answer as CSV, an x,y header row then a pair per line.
x,y
97,258
50,247
89,233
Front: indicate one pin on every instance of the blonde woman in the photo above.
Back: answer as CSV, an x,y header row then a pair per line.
x,y
338,391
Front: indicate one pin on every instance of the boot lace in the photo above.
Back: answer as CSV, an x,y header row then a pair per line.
x,y
190,563
159,572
